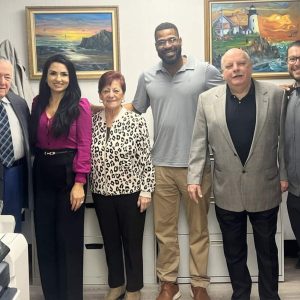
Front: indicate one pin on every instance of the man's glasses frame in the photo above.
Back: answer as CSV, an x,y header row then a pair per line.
x,y
163,42
293,59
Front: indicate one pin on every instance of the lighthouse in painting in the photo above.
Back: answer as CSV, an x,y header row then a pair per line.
x,y
253,20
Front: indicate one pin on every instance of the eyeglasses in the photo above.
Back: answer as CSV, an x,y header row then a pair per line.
x,y
171,41
293,59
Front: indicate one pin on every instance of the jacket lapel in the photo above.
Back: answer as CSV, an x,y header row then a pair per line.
x,y
262,102
220,111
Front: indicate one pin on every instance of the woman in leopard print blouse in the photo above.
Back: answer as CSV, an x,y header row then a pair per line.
x,y
121,181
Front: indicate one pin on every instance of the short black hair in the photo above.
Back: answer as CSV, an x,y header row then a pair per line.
x,y
292,44
165,25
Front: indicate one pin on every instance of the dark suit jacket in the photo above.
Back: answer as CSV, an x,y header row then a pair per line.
x,y
256,185
20,107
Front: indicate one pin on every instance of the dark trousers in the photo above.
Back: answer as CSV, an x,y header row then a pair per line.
x,y
59,231
122,226
14,192
293,206
234,231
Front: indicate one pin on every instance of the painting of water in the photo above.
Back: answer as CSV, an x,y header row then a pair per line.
x,y
86,35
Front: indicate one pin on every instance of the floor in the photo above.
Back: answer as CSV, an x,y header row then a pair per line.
x,y
288,290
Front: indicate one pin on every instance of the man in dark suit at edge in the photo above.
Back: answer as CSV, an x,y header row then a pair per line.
x,y
15,158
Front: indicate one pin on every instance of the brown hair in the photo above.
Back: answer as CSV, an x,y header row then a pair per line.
x,y
108,77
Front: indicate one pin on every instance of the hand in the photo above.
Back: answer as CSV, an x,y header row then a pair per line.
x,y
143,203
96,108
77,196
284,185
195,192
128,106
285,86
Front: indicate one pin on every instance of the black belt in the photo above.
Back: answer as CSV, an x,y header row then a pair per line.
x,y
46,152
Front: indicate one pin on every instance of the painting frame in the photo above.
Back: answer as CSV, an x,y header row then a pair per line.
x,y
268,55
90,40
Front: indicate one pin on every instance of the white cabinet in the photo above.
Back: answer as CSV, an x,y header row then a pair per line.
x,y
94,268
17,259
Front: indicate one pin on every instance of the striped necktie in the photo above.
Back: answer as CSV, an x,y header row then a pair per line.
x,y
6,145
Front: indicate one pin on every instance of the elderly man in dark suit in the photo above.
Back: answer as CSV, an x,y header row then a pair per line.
x,y
241,123
15,160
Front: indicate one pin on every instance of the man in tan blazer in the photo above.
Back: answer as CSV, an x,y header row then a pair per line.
x,y
241,123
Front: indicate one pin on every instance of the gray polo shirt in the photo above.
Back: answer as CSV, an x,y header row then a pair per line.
x,y
292,142
173,100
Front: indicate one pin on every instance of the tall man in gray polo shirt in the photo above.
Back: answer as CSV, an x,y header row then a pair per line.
x,y
292,140
171,89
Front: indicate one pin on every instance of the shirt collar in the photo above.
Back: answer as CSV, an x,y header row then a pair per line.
x,y
294,88
189,65
250,92
5,100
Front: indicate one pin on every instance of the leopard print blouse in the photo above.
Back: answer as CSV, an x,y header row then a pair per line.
x,y
122,164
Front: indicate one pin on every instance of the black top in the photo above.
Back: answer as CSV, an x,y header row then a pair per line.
x,y
241,119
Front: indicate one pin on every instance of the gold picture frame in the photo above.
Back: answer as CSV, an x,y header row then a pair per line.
x,y
88,36
263,28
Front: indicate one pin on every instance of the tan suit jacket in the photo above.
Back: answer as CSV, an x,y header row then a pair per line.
x,y
256,185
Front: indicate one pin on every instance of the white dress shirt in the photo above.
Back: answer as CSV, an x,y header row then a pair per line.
x,y
16,130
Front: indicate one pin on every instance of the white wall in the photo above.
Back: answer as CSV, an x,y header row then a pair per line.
x,y
137,21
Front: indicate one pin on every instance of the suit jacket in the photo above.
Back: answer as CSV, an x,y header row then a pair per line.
x,y
21,110
291,144
256,185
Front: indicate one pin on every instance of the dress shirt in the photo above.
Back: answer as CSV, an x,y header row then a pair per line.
x,y
241,119
16,130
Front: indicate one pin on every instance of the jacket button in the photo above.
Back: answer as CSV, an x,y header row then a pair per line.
x,y
243,171
234,154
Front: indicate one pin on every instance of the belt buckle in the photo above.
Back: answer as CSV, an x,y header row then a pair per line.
x,y
49,153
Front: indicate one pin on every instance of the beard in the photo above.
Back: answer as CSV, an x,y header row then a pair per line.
x,y
295,75
170,60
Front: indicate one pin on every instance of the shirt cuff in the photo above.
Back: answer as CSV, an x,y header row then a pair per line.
x,y
80,177
145,194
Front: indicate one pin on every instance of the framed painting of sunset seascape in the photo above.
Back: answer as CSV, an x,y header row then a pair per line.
x,y
88,36
264,29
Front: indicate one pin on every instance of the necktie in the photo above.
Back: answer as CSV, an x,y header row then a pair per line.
x,y
6,145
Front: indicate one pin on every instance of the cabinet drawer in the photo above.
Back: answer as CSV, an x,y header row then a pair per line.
x,y
91,225
94,267
149,259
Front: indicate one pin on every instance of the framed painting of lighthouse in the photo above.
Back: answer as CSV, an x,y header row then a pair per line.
x,y
263,29
88,36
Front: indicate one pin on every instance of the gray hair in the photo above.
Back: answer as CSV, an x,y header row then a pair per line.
x,y
233,49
